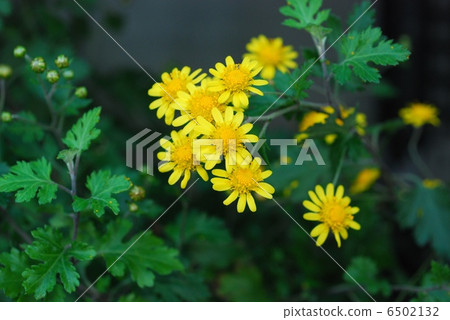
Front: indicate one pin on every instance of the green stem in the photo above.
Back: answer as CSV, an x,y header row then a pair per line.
x,y
2,94
339,167
413,149
273,115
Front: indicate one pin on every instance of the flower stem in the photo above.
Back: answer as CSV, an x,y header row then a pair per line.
x,y
415,155
2,94
339,167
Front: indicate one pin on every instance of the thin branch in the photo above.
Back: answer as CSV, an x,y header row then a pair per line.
x,y
2,94
413,149
25,236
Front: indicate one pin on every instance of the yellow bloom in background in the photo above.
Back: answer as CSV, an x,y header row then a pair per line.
x,y
310,119
361,123
229,133
168,89
364,180
271,55
432,183
179,158
199,102
420,114
334,212
235,81
242,180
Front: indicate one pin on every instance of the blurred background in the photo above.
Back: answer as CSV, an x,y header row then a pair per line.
x,y
161,35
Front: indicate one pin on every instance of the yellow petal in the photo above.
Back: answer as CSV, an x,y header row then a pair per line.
x,y
330,190
311,216
311,206
231,198
228,115
217,115
241,203
344,233
339,192
267,187
187,176
319,229
251,202
166,167
175,176
338,238
202,173
229,61
314,198
322,237
354,225
321,193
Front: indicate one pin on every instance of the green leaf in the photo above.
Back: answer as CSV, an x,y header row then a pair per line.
x,y
30,179
55,253
359,49
427,211
14,263
181,287
365,272
246,284
304,13
143,258
102,186
366,19
83,132
440,273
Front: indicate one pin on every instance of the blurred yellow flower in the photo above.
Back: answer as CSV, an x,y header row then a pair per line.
x,y
418,114
364,180
432,183
235,81
180,158
242,180
334,212
271,55
168,89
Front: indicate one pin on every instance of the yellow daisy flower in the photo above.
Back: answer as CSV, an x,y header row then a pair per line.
x,y
419,114
230,135
168,89
242,180
310,119
198,102
271,55
179,158
235,81
364,180
334,212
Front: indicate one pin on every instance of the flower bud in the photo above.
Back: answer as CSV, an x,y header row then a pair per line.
x,y
81,92
133,207
6,117
68,74
19,52
62,61
52,76
137,193
38,65
5,71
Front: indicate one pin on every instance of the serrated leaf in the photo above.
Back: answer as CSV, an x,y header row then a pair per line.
x,y
304,13
359,49
83,131
366,18
427,212
55,253
440,273
67,155
102,186
14,263
142,259
189,287
29,180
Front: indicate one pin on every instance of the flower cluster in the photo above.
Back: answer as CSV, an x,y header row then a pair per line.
x,y
208,112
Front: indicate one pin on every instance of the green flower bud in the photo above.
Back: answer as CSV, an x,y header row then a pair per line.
x,y
38,65
137,193
81,92
52,76
19,52
6,117
133,207
5,71
68,74
62,61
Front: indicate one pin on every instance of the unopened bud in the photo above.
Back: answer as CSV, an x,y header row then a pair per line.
x,y
81,92
52,76
68,74
19,52
137,193
5,71
62,61
38,65
6,117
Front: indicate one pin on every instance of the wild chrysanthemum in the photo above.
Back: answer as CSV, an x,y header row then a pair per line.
x,y
334,212
271,54
420,114
199,102
364,180
311,118
168,89
242,180
235,81
179,158
229,135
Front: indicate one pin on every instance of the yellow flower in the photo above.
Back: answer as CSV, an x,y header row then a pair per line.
x,y
242,180
334,212
198,102
271,55
419,114
236,81
432,183
168,90
361,123
229,135
364,180
180,158
310,119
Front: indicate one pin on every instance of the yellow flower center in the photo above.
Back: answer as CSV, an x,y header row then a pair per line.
x,y
182,155
225,134
202,104
334,215
243,180
173,87
422,112
236,79
270,55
